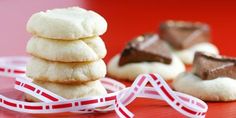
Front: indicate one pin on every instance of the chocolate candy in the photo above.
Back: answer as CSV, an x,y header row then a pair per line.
x,y
208,66
146,48
183,35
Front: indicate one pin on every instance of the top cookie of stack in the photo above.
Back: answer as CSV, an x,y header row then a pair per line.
x,y
67,35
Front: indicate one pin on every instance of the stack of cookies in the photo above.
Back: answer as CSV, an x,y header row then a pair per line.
x,y
67,52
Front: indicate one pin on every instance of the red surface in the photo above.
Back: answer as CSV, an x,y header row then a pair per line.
x,y
126,20
144,108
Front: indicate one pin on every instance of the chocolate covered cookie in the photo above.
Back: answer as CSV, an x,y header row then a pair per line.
x,y
212,78
145,54
186,38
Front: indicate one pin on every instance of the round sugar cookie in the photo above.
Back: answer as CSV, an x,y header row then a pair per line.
x,y
88,49
67,24
59,72
132,70
219,89
71,91
187,55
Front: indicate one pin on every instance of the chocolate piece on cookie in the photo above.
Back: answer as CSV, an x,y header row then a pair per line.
x,y
181,34
208,66
147,47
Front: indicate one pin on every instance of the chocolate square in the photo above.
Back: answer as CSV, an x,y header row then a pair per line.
x,y
208,66
182,35
146,48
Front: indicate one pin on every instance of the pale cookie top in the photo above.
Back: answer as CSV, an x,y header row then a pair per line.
x,y
67,24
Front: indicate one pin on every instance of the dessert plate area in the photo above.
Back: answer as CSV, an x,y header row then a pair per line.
x,y
141,107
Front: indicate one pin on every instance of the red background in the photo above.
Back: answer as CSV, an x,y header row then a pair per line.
x,y
127,19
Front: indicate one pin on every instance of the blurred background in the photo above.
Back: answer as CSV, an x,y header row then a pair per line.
x,y
126,19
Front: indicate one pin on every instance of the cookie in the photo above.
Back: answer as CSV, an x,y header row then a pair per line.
x,y
132,70
59,72
218,89
187,55
88,49
89,89
67,24
187,37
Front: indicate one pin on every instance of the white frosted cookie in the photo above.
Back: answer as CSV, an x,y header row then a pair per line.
x,y
88,49
43,70
219,89
67,24
132,70
71,91
187,55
